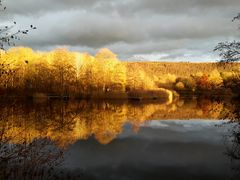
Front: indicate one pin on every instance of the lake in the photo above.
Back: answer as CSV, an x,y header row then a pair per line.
x,y
191,138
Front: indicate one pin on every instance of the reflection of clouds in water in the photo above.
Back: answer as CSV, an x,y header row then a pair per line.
x,y
186,131
156,124
154,149
184,125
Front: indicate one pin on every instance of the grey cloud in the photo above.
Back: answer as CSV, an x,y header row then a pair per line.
x,y
31,6
122,7
95,30
127,27
184,5
83,29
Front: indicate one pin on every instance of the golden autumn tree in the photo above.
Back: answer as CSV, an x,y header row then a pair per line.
x,y
114,72
8,36
43,78
64,73
119,77
137,79
64,70
21,62
87,75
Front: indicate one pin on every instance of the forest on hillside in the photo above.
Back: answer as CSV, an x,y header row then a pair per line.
x,y
62,73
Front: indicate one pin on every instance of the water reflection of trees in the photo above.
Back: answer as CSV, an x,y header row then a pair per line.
x,y
23,157
35,160
233,139
31,128
66,122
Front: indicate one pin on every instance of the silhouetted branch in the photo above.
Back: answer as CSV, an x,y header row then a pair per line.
x,y
2,8
236,17
7,35
229,51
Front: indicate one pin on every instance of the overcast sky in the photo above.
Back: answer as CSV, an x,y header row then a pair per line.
x,y
134,29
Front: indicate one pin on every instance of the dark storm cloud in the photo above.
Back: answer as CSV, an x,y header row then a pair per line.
x,y
129,27
78,29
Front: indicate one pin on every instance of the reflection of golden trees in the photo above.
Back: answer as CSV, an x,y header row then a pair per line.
x,y
65,123
212,109
23,153
35,160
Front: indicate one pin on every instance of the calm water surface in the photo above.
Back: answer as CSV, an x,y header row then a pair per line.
x,y
192,138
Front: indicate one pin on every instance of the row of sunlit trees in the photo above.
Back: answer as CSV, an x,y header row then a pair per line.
x,y
61,72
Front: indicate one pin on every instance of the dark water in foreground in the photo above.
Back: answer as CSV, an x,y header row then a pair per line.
x,y
192,138
161,150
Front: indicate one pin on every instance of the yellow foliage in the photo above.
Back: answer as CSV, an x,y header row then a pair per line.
x,y
180,86
61,72
215,78
105,54
167,79
137,79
